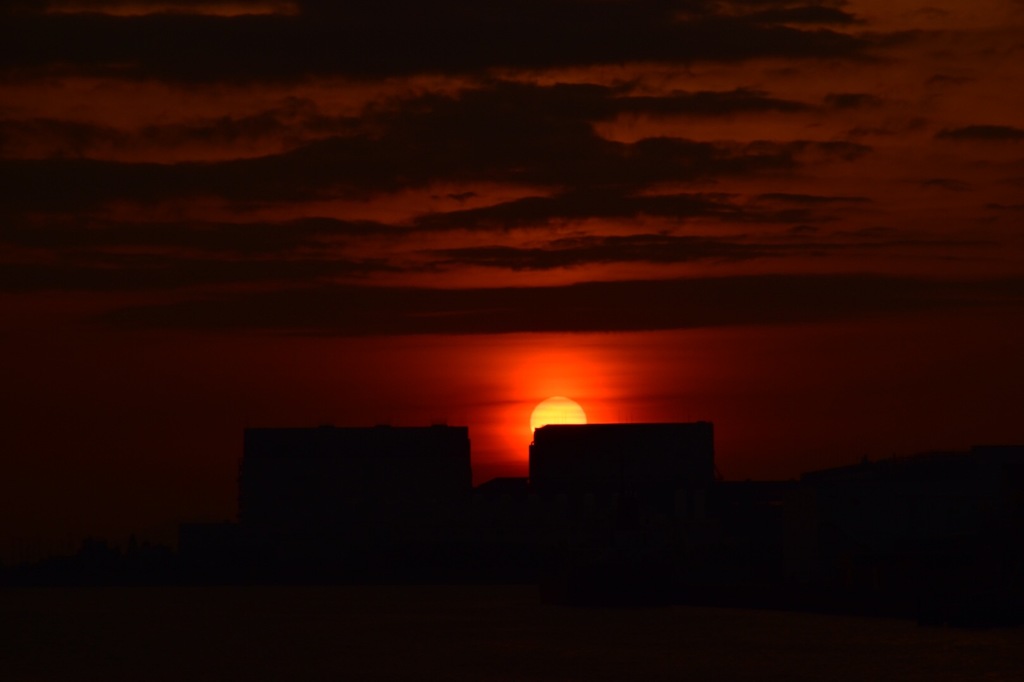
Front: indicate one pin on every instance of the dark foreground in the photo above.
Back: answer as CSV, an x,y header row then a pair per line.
x,y
502,633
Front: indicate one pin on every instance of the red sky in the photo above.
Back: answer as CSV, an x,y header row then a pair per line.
x,y
802,221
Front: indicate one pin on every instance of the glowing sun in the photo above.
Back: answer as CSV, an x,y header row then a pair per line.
x,y
557,410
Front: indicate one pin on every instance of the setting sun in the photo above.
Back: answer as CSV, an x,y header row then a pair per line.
x,y
557,410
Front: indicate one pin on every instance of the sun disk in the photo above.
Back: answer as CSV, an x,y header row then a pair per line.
x,y
557,410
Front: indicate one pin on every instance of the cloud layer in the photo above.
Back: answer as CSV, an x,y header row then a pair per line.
x,y
448,167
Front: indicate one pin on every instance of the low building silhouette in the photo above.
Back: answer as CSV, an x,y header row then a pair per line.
x,y
940,534
330,501
627,514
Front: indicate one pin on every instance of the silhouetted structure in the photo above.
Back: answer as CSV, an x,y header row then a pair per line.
x,y
940,533
342,498
616,500
611,514
646,461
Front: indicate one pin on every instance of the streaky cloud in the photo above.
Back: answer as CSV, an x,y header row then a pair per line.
x,y
995,133
593,306
387,38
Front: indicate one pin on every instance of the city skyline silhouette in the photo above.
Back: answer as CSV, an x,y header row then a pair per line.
x,y
796,220
628,514
799,222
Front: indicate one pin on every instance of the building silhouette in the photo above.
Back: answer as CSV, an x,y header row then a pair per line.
x,y
629,514
346,503
942,533
646,461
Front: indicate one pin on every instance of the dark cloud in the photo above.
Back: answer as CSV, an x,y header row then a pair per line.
x,y
503,133
805,14
163,6
982,132
811,199
254,238
666,248
946,79
55,138
296,121
339,166
648,248
594,306
395,37
543,136
948,184
88,255
211,256
800,230
740,100
593,102
809,151
604,204
851,100
579,205
120,272
891,128
291,124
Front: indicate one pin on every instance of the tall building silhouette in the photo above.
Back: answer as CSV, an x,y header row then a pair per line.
x,y
627,514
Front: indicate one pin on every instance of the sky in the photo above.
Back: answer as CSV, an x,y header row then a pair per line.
x,y
802,221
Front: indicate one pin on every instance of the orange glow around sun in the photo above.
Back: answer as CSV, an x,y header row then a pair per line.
x,y
532,369
557,410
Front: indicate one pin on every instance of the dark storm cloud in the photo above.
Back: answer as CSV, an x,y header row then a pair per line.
x,y
594,306
982,132
396,37
503,132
